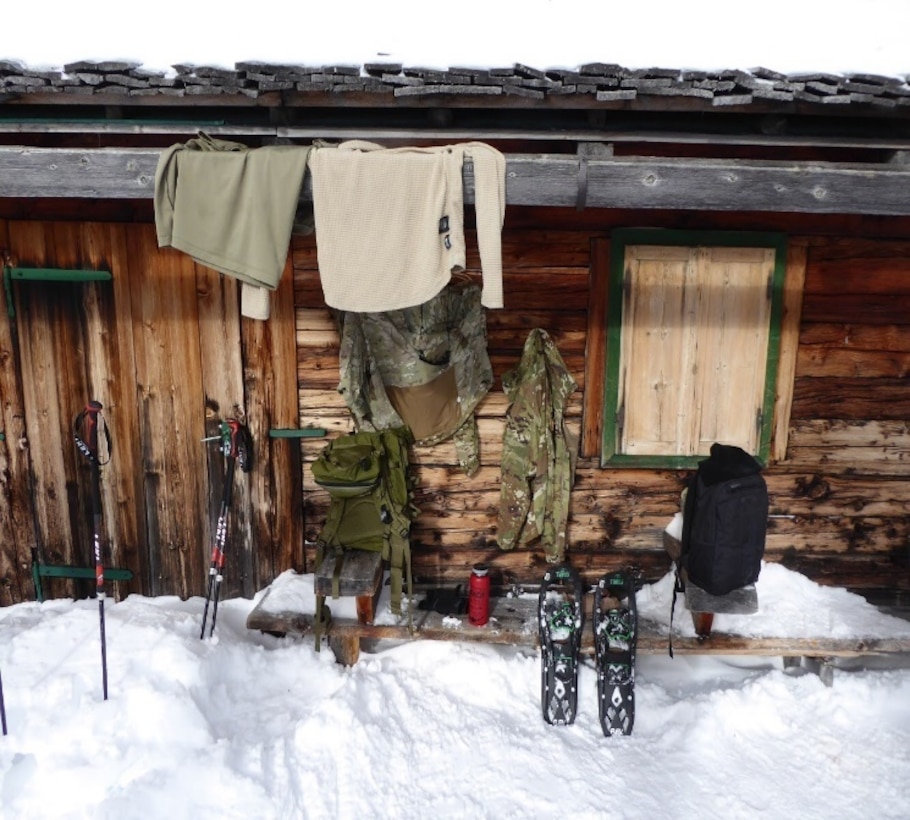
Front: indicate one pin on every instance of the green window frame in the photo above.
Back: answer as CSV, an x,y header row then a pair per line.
x,y
621,280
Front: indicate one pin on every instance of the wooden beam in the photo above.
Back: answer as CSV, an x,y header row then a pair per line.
x,y
531,179
898,146
794,283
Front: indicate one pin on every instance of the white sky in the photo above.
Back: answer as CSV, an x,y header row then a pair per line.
x,y
785,35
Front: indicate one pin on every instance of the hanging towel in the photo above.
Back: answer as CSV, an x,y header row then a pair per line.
x,y
390,222
231,208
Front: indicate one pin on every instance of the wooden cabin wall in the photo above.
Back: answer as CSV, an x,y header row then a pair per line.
x,y
842,492
838,492
163,347
615,518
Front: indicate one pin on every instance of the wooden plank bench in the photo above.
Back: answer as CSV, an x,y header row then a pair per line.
x,y
351,574
513,621
702,604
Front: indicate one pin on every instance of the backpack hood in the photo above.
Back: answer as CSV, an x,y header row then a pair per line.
x,y
725,462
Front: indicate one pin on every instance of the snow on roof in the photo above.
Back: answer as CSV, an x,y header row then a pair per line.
x,y
786,36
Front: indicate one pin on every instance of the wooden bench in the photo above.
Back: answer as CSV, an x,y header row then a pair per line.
x,y
513,622
352,574
702,604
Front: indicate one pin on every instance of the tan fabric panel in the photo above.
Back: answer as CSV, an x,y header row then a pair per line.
x,y
428,409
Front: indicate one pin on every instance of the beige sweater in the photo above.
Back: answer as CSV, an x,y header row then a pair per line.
x,y
390,222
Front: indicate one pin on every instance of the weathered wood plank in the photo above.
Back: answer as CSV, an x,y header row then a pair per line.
x,y
596,349
319,367
836,434
53,392
852,460
791,311
534,179
323,397
856,336
818,361
506,331
851,398
513,622
171,413
861,308
448,556
359,575
269,366
17,515
222,394
110,356
858,265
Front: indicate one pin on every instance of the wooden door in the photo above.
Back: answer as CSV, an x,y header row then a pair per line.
x,y
58,327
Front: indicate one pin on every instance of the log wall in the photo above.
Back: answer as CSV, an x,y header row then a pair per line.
x,y
838,488
163,347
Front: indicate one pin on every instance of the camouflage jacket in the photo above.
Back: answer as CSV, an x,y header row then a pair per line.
x,y
539,453
426,367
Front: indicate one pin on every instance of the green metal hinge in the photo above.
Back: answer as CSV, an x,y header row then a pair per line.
x,y
293,432
47,275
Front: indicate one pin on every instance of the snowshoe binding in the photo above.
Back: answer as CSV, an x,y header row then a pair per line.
x,y
615,632
560,617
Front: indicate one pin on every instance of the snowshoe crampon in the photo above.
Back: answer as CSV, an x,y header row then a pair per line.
x,y
560,622
615,631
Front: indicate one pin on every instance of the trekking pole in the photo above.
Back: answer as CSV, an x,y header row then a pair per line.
x,y
90,418
235,445
2,707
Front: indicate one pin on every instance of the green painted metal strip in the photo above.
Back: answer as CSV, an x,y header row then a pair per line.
x,y
293,432
58,275
110,573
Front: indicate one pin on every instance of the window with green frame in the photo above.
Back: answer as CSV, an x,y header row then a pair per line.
x,y
693,331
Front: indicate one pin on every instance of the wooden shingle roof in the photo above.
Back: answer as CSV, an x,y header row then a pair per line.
x,y
393,82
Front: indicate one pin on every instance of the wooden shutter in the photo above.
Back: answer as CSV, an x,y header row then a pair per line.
x,y
694,345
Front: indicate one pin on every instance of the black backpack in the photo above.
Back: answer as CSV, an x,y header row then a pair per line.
x,y
725,520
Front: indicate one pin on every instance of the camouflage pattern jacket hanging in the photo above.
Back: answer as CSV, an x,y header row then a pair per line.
x,y
539,452
426,367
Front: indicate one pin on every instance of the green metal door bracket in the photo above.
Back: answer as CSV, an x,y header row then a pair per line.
x,y
292,432
46,275
40,571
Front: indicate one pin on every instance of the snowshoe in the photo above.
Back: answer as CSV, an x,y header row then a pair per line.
x,y
560,617
615,632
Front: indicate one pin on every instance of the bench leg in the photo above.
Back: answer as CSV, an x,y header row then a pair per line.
x,y
365,609
346,649
823,667
703,622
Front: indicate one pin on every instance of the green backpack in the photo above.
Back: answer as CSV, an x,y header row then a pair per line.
x,y
367,475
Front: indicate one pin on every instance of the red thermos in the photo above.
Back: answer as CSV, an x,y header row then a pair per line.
x,y
479,595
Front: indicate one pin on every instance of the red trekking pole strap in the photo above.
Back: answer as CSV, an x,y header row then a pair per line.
x,y
87,423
